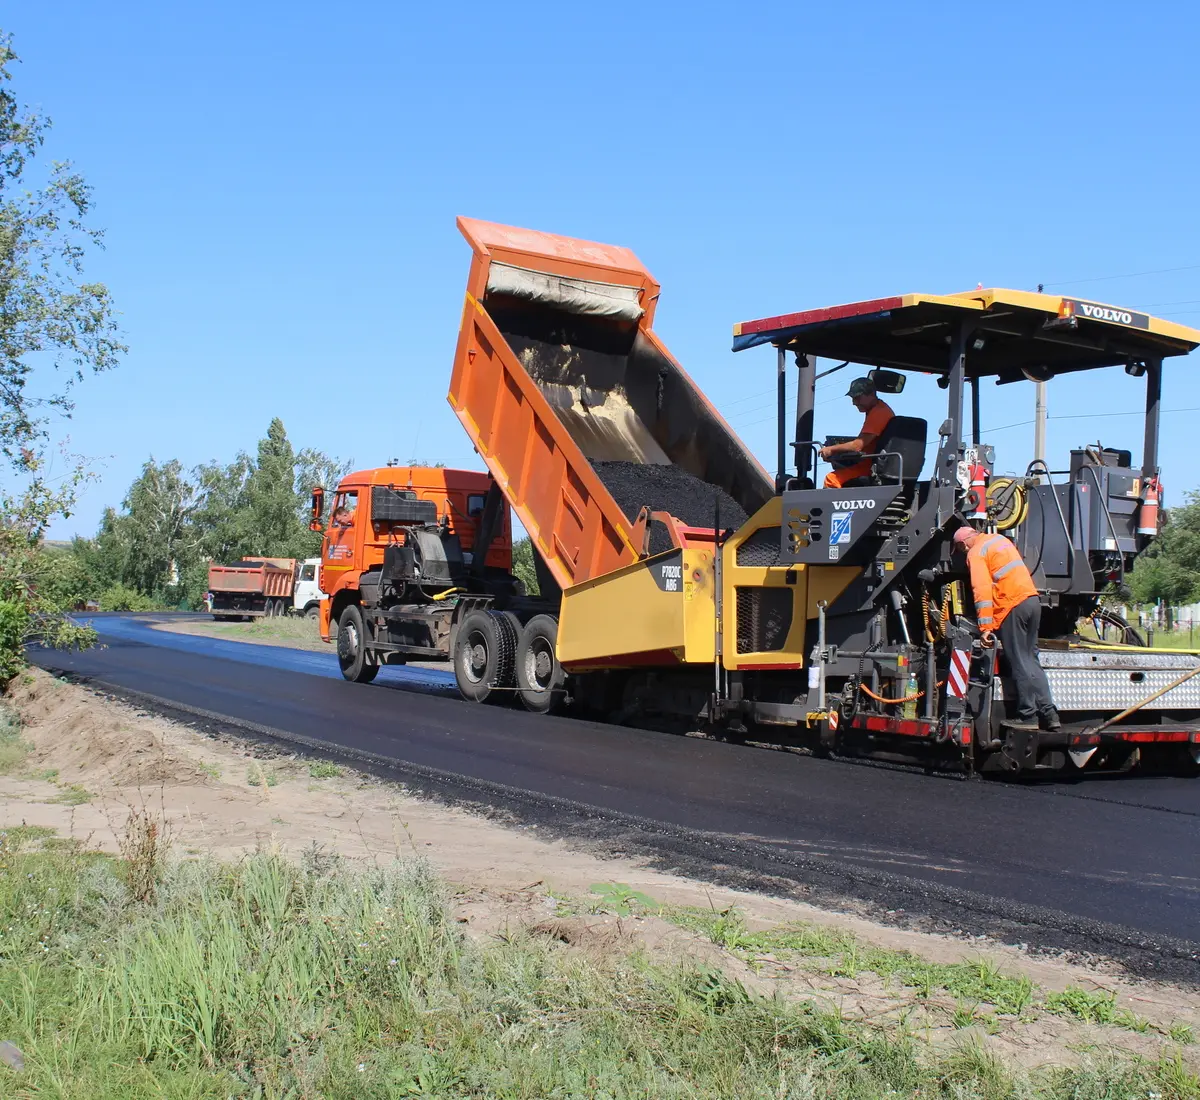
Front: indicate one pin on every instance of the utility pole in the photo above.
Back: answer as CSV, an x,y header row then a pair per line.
x,y
1039,414
1039,423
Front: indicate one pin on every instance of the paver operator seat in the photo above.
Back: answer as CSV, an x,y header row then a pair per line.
x,y
900,453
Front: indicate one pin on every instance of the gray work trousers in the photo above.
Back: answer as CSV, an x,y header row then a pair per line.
x,y
1027,678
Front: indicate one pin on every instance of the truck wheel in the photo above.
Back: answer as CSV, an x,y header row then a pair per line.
x,y
313,611
357,662
540,677
484,656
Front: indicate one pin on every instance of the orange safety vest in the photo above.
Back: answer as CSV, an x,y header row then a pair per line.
x,y
999,579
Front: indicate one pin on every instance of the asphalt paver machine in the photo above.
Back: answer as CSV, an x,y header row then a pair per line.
x,y
894,664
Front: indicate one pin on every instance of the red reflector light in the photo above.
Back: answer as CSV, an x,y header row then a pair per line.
x,y
1149,736
1085,739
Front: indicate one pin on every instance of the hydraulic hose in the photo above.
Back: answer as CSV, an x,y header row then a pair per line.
x,y
884,699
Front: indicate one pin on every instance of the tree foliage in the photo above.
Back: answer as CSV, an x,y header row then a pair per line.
x,y
523,568
172,522
55,328
1169,569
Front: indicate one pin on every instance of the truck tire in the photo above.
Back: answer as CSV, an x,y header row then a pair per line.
x,y
485,656
540,677
312,611
357,662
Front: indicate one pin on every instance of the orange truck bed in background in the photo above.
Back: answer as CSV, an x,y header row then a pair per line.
x,y
273,577
557,365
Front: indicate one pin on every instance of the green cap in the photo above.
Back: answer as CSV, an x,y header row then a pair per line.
x,y
860,386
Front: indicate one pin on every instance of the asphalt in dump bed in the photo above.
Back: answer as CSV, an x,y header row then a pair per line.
x,y
634,485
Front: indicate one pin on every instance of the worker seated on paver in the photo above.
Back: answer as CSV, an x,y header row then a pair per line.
x,y
1007,602
878,413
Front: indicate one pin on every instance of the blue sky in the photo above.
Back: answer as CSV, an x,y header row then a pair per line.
x,y
279,183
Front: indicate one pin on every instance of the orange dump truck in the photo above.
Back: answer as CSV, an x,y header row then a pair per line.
x,y
252,589
621,472
410,554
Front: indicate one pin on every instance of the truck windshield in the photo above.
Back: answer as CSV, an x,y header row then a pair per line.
x,y
344,506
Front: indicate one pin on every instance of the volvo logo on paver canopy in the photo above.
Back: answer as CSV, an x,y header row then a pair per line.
x,y
1094,311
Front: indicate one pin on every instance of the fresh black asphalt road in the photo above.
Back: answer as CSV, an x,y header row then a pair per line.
x,y
1112,852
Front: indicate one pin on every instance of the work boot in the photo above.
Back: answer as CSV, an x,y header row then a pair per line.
x,y
1050,721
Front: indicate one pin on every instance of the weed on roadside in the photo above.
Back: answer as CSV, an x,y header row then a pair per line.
x,y
13,750
620,898
1095,1007
323,769
72,795
20,836
258,776
145,845
843,956
211,770
1181,1033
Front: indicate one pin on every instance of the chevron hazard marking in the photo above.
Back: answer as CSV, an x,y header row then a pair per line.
x,y
956,679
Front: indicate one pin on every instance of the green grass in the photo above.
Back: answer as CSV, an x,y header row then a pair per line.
x,y
270,979
1094,1007
258,776
211,770
292,631
19,836
975,986
13,750
975,983
73,795
621,898
323,769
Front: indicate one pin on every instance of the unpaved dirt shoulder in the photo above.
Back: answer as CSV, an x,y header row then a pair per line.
x,y
92,760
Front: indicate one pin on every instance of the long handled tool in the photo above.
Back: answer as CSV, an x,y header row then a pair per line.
x,y
1149,699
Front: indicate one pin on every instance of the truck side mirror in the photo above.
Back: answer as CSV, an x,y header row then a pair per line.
x,y
887,381
318,509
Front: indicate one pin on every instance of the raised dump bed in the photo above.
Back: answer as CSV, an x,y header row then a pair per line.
x,y
562,384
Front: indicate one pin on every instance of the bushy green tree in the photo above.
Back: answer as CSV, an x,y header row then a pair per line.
x,y
273,516
1169,569
55,327
159,532
523,567
171,524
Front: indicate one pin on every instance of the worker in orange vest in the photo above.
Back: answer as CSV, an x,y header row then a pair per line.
x,y
1007,602
878,414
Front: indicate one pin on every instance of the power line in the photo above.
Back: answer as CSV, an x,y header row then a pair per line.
x,y
771,405
1079,416
1130,275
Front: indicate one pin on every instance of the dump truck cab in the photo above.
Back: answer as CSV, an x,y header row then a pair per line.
x,y
895,659
407,551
